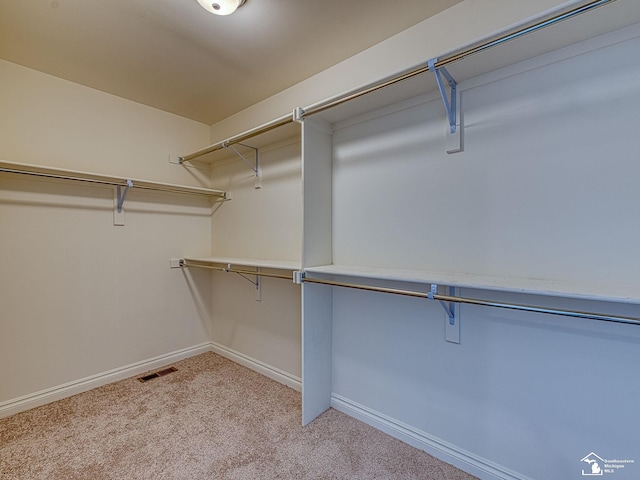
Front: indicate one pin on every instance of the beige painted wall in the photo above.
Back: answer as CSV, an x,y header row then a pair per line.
x,y
78,295
263,223
49,121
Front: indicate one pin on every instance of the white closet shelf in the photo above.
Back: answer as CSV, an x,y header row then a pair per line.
x,y
602,292
560,27
96,178
246,262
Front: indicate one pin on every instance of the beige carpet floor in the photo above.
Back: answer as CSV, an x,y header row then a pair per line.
x,y
211,419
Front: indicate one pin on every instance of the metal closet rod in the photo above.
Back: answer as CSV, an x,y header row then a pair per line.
x,y
138,184
441,62
486,303
185,263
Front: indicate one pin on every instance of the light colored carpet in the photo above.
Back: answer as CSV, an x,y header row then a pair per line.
x,y
212,419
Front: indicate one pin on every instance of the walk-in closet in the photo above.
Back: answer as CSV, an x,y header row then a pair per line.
x,y
446,252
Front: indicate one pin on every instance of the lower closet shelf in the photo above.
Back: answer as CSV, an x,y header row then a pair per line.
x,y
434,294
229,264
246,262
587,291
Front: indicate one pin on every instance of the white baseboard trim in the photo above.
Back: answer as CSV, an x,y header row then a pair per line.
x,y
256,365
470,463
59,392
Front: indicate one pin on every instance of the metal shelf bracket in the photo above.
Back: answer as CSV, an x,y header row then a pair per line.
x,y
452,323
122,195
449,103
256,283
445,305
255,168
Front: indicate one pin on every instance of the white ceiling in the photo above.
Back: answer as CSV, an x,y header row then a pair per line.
x,y
173,55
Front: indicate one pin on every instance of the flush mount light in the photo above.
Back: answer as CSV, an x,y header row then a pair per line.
x,y
221,7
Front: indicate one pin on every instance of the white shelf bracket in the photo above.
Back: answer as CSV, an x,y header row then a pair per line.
x,y
298,114
256,283
255,167
451,105
452,311
119,198
122,195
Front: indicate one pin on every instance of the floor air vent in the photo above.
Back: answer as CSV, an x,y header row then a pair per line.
x,y
159,374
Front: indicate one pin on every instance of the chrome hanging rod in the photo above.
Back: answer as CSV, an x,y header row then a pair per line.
x,y
441,62
538,25
186,263
473,301
104,180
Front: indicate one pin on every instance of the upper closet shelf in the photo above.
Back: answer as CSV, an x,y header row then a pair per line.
x,y
249,269
550,32
76,175
122,184
602,292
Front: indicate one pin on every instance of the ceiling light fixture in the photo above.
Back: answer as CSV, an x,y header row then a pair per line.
x,y
221,7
